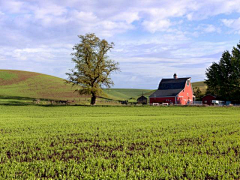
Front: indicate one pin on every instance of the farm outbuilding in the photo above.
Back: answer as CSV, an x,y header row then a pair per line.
x,y
173,91
142,100
208,99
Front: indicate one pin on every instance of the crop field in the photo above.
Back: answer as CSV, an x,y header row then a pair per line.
x,y
23,84
79,142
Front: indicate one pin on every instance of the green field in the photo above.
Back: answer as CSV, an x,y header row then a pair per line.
x,y
79,142
22,84
123,94
21,87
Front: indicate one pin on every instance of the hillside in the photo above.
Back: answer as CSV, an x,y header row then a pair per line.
x,y
201,85
30,85
34,85
26,85
123,94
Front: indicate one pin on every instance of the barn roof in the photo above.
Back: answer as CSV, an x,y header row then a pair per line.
x,y
165,93
170,87
141,98
172,83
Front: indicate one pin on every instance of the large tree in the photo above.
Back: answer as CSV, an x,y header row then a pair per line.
x,y
223,78
92,66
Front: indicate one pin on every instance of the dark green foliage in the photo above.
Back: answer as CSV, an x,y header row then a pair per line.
x,y
223,78
92,66
197,93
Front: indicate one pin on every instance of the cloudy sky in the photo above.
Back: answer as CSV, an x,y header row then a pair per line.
x,y
153,38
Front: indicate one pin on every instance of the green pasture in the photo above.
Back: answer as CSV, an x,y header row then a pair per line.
x,y
24,84
5,75
17,86
123,94
201,85
79,142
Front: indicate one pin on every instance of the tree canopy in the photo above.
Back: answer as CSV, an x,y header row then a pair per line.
x,y
198,93
92,66
223,78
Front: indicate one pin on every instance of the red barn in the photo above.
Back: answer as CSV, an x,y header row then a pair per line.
x,y
173,91
208,99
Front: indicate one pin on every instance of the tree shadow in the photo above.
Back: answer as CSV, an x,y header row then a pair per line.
x,y
16,97
27,101
15,100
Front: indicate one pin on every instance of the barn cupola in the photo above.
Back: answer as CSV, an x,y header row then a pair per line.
x,y
175,76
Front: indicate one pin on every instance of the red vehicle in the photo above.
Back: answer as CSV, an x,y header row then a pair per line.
x,y
173,91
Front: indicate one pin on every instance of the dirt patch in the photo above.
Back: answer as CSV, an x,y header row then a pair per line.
x,y
20,76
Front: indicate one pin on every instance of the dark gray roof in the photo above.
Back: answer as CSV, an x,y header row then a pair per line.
x,y
141,98
178,83
170,87
165,93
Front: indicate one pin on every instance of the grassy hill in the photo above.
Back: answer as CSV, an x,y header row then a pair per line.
x,y
201,85
34,85
122,94
24,85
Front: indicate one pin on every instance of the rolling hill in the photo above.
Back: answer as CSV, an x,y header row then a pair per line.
x,y
23,84
123,94
16,84
201,85
34,85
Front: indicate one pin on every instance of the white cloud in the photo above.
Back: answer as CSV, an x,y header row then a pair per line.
x,y
233,24
1,16
189,16
83,16
160,25
49,9
50,14
12,6
211,28
42,53
205,9
128,17
89,22
154,15
207,28
152,72
156,37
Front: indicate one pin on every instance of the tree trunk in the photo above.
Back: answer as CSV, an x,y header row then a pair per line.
x,y
93,99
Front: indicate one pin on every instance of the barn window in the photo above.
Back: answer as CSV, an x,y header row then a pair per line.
x,y
188,82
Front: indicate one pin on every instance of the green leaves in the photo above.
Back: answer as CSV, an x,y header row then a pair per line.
x,y
92,65
223,78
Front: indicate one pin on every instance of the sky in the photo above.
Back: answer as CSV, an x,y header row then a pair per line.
x,y
153,38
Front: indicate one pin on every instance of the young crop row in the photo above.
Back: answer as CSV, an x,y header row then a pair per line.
x,y
119,143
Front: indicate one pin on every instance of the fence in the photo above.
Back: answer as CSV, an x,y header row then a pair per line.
x,y
197,102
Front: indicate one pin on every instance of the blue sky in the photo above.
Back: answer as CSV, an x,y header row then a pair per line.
x,y
153,38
